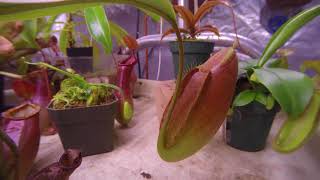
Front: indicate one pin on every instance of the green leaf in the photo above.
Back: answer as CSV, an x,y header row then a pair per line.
x,y
244,98
28,9
98,26
245,65
286,31
278,63
292,90
29,33
153,16
46,30
270,102
295,131
63,40
118,32
261,98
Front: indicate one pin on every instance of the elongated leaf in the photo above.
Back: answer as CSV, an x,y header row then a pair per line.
x,y
122,37
118,32
186,15
286,31
292,90
63,40
153,16
98,26
28,9
206,7
208,28
278,63
244,98
170,31
130,42
295,131
29,33
46,30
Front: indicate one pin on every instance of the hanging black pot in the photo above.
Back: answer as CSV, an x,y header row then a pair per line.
x,y
81,59
248,127
195,53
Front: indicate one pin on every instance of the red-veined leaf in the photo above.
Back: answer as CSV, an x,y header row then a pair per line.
x,y
186,15
204,8
130,42
208,28
171,31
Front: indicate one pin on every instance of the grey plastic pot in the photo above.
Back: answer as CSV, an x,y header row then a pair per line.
x,y
195,53
248,127
89,129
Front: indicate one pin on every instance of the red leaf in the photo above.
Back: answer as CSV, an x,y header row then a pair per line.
x,y
186,15
208,28
206,7
130,42
171,31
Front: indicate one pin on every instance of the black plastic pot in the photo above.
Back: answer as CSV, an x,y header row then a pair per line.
x,y
248,127
89,129
81,59
195,53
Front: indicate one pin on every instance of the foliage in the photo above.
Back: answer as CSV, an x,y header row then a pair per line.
x,y
77,92
26,37
191,21
296,93
292,90
14,10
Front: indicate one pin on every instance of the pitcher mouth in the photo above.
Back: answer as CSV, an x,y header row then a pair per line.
x,y
22,112
131,60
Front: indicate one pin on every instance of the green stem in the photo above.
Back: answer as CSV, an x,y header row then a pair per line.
x,y
179,78
66,73
11,75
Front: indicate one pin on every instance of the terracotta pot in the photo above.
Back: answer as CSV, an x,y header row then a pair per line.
x,y
126,79
21,123
36,88
61,170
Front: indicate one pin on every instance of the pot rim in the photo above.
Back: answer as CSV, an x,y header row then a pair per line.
x,y
77,108
8,114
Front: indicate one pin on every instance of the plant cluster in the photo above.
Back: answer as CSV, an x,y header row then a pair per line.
x,y
192,28
75,91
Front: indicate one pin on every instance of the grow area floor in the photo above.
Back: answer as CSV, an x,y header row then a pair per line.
x,y
135,156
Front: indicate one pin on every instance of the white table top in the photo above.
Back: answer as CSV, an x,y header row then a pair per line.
x,y
135,153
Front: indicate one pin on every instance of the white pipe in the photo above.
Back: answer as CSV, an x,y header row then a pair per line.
x,y
195,6
185,4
